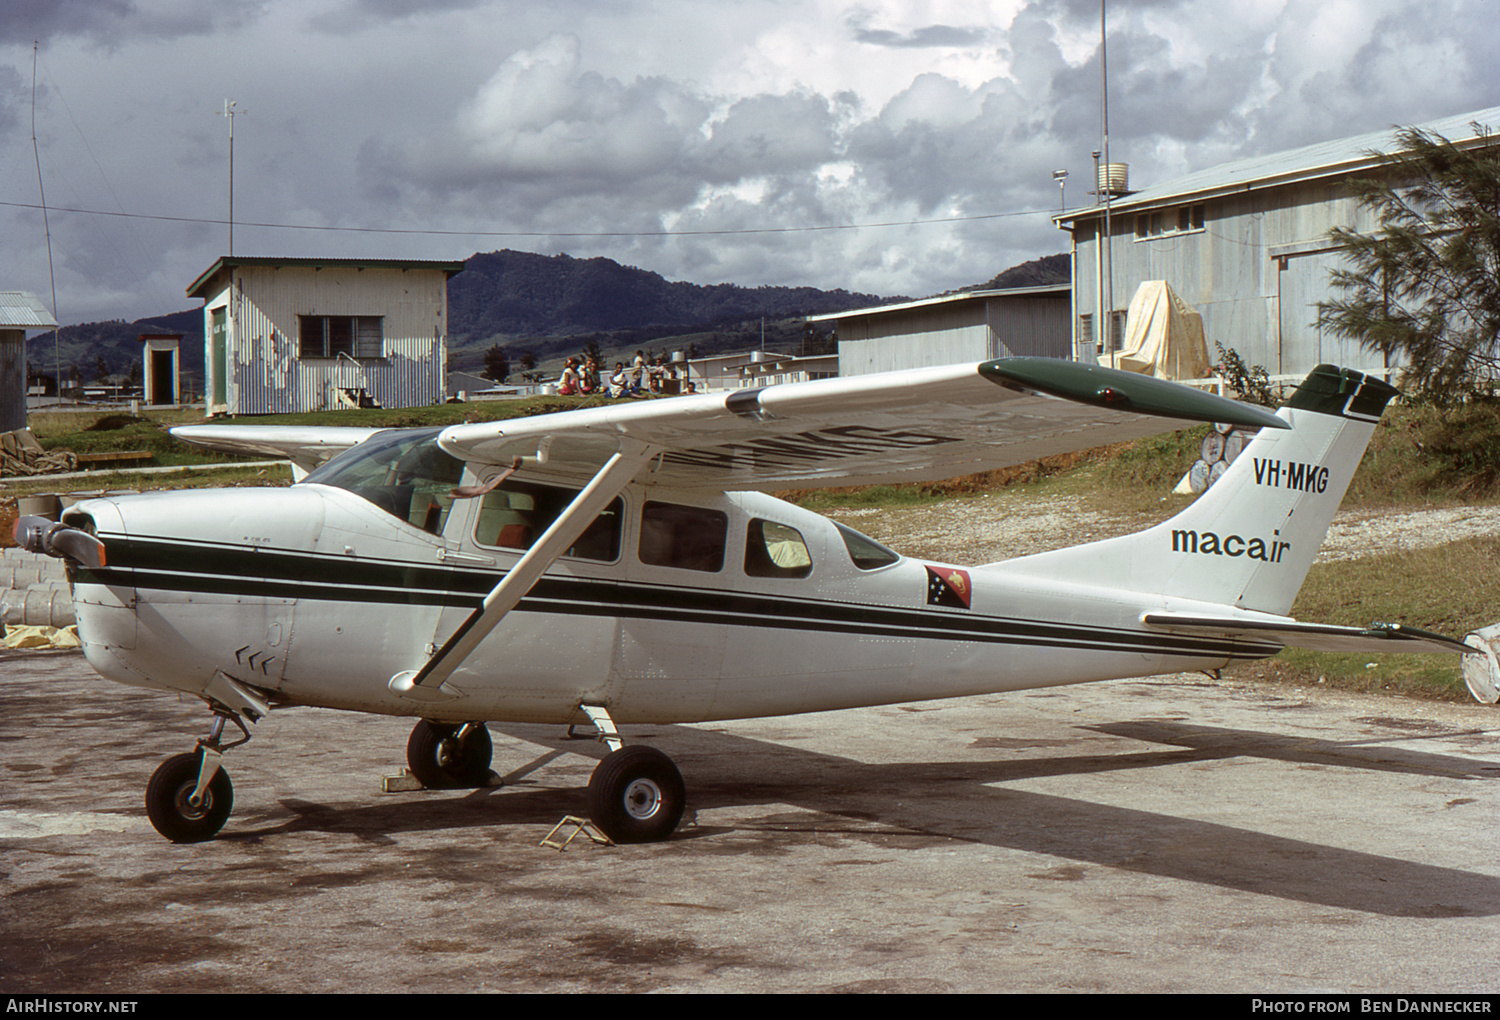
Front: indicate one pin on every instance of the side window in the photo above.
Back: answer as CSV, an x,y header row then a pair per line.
x,y
775,550
866,553
515,515
686,537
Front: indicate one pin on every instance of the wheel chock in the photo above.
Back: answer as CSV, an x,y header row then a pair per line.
x,y
405,782
402,782
582,825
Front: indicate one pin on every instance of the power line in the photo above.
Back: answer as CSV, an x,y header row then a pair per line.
x,y
537,233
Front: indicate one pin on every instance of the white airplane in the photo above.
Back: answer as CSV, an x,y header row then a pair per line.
x,y
617,565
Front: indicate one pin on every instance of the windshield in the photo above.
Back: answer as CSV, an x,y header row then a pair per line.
x,y
401,471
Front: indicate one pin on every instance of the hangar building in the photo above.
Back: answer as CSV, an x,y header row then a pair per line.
x,y
1244,243
971,325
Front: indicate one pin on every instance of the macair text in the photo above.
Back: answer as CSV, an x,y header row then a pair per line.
x,y
1210,544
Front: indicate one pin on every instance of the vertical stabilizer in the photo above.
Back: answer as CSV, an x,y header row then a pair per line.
x,y
1250,539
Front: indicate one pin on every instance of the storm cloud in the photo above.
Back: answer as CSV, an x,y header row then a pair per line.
x,y
883,147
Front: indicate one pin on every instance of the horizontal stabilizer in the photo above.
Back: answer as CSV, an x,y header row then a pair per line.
x,y
1320,637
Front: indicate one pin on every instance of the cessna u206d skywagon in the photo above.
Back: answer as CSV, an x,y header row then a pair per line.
x,y
622,564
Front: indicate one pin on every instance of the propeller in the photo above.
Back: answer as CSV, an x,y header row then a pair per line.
x,y
40,535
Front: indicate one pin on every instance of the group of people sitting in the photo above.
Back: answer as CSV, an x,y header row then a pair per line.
x,y
582,375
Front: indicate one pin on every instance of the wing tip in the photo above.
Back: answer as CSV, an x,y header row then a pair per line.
x,y
1124,391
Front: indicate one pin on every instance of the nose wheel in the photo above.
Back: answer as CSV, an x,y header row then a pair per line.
x,y
176,807
189,796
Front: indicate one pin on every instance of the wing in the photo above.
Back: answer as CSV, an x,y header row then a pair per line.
x,y
906,426
306,446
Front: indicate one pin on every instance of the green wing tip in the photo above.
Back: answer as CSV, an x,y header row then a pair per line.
x,y
1124,391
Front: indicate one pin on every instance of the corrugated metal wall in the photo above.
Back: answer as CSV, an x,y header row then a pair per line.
x,y
955,332
268,377
1255,272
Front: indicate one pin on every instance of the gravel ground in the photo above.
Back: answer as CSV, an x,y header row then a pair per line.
x,y
999,526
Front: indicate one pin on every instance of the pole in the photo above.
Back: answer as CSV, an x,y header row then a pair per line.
x,y
228,113
47,230
1109,240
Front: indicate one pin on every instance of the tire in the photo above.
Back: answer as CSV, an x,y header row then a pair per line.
x,y
636,795
441,761
167,800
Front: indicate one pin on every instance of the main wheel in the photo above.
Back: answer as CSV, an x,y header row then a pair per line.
x,y
636,795
442,760
169,800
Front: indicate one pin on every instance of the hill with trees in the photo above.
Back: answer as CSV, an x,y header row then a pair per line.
x,y
518,294
1042,272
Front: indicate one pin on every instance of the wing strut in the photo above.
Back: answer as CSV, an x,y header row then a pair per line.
x,y
429,682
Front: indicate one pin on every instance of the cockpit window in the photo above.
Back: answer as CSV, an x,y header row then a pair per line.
x,y
866,553
775,550
401,471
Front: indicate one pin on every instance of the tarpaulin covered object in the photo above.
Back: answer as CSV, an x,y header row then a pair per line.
x,y
1163,336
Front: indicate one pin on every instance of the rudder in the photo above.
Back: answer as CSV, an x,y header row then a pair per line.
x,y
1250,539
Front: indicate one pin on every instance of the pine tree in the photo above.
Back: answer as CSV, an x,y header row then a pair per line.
x,y
1424,287
497,363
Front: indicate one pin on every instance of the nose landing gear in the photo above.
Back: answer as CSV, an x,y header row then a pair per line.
x,y
189,796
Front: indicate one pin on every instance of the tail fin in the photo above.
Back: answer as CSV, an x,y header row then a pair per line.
x,y
1250,539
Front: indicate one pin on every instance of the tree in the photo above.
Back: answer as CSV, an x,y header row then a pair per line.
x,y
816,341
497,363
1424,287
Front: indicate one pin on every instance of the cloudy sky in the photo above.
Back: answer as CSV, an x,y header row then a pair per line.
x,y
891,148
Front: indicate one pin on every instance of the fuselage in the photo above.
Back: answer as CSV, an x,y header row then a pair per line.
x,y
674,607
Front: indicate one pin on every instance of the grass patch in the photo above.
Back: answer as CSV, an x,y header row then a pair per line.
x,y
1423,454
112,431
203,476
1057,473
419,417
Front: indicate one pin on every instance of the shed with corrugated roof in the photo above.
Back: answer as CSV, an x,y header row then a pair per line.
x,y
285,335
19,311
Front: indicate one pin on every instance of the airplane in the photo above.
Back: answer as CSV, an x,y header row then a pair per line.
x,y
624,564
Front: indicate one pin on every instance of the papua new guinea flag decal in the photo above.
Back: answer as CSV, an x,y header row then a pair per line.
x,y
948,586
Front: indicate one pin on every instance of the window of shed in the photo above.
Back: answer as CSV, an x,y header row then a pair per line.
x,y
1182,220
328,336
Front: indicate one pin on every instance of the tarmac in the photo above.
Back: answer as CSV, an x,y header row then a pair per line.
x,y
1172,834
